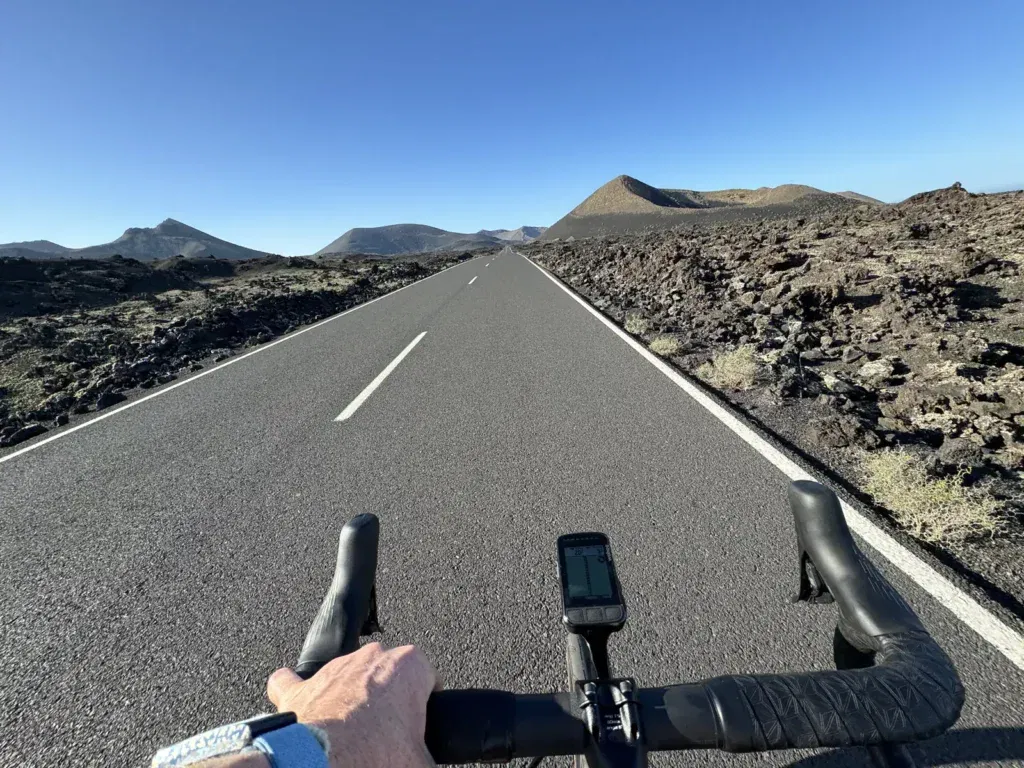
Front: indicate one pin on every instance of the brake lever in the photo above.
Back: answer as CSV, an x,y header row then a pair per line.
x,y
810,499
372,625
812,588
349,609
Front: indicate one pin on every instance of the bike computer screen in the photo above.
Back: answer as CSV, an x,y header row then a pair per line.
x,y
591,598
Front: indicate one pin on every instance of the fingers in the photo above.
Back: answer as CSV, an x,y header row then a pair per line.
x,y
406,663
280,685
415,663
372,650
438,682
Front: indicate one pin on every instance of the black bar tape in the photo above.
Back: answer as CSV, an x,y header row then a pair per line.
x,y
913,693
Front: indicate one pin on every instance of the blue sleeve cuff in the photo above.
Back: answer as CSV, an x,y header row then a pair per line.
x,y
292,747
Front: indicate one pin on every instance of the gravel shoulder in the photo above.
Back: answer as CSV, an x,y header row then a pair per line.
x,y
875,336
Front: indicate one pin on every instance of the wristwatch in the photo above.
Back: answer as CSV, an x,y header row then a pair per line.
x,y
284,741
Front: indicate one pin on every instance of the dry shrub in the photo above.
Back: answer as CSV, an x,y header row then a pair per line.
x,y
666,346
731,370
937,510
637,324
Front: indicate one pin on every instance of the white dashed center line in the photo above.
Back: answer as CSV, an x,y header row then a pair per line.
x,y
471,281
361,398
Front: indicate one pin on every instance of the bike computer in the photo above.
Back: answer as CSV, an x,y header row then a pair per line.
x,y
591,597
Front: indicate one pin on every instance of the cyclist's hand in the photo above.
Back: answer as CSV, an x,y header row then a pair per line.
x,y
372,703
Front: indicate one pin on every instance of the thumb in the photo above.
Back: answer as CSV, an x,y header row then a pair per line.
x,y
281,685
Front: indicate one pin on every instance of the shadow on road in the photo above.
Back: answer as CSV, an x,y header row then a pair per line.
x,y
968,746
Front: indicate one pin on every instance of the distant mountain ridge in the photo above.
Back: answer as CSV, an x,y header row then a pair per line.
x,y
520,235
626,204
861,198
39,246
167,239
171,238
624,194
395,239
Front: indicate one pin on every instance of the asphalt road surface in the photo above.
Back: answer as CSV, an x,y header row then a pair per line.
x,y
156,566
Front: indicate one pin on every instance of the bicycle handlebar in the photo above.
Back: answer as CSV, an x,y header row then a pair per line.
x,y
901,700
910,691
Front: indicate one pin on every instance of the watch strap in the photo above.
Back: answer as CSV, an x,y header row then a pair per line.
x,y
231,738
294,746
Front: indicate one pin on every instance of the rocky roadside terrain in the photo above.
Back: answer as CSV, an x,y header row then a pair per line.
x,y
877,332
77,336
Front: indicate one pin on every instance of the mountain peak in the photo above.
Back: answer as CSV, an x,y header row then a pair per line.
x,y
168,238
174,228
627,204
624,194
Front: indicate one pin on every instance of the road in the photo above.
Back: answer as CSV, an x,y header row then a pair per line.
x,y
159,564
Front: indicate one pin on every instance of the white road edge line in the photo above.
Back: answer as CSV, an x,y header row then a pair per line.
x,y
361,397
232,361
473,280
963,606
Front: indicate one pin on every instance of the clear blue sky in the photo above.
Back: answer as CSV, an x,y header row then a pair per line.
x,y
281,124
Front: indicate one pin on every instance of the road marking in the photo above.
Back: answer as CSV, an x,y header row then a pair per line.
x,y
361,397
487,264
1004,639
473,280
225,364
